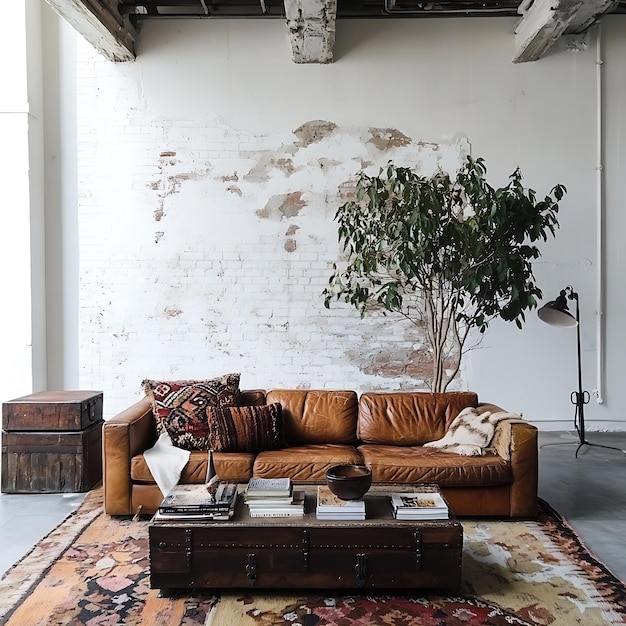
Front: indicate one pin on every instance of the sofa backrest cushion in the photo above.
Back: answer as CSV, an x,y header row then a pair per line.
x,y
409,418
313,417
251,397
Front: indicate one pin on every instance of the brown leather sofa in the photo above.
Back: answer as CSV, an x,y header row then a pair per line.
x,y
385,431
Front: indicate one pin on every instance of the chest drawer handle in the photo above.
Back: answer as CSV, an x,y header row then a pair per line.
x,y
251,569
360,569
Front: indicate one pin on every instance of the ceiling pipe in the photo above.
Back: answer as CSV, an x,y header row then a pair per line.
x,y
429,9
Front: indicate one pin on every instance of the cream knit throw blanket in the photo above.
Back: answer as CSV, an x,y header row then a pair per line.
x,y
471,432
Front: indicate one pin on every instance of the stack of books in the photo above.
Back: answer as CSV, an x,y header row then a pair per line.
x,y
194,502
419,505
329,506
273,497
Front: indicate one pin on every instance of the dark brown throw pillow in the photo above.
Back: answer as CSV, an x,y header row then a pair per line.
x,y
180,407
246,428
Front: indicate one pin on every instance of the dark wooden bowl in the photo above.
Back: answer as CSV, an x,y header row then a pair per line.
x,y
349,482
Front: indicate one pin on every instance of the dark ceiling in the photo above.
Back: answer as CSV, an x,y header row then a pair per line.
x,y
139,10
113,26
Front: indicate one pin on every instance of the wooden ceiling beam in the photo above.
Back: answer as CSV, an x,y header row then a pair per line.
x,y
311,29
101,24
546,20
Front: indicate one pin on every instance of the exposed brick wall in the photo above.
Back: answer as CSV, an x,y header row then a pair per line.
x,y
205,249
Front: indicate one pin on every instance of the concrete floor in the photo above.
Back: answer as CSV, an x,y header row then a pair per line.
x,y
589,491
26,518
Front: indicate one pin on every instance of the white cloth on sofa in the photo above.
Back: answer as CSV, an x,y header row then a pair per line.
x,y
471,432
166,462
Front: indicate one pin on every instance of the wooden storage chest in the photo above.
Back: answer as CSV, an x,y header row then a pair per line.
x,y
281,553
53,410
52,442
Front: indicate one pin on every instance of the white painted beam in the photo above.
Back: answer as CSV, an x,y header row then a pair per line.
x,y
100,26
546,20
311,26
589,13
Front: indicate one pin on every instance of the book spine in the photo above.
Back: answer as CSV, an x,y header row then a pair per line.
x,y
196,518
275,514
335,509
197,510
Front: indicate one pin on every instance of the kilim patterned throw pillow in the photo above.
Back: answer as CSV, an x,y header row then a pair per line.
x,y
246,428
180,407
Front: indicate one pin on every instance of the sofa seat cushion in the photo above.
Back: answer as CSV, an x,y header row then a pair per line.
x,y
304,463
230,466
416,464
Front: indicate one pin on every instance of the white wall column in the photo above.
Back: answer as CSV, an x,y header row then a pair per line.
x,y
61,202
22,249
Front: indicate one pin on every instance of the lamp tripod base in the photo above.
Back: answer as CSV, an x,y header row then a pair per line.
x,y
581,443
597,445
579,399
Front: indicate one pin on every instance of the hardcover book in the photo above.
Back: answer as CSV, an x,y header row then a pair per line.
x,y
329,506
340,516
187,515
327,501
295,508
418,500
264,487
419,505
193,498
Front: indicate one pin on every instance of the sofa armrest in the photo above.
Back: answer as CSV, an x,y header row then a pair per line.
x,y
129,433
516,441
525,467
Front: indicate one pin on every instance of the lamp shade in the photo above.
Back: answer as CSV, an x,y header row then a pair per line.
x,y
556,313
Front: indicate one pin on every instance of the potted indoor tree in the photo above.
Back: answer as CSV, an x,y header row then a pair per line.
x,y
448,254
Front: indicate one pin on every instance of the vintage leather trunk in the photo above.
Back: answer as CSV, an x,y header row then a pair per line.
x,y
378,553
305,558
53,461
53,410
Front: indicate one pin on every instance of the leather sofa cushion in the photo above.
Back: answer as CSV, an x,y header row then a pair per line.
x,y
409,418
317,417
304,463
251,397
415,464
231,466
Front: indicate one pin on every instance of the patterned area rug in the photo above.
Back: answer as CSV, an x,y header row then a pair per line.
x,y
94,570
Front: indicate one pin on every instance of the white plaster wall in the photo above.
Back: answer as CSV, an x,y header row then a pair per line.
x,y
61,223
615,221
185,227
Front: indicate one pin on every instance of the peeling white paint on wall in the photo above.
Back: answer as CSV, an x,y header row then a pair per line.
x,y
201,241
217,259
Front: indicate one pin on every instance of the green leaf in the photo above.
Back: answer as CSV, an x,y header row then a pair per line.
x,y
408,249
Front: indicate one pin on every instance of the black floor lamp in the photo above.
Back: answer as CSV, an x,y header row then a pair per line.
x,y
556,313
